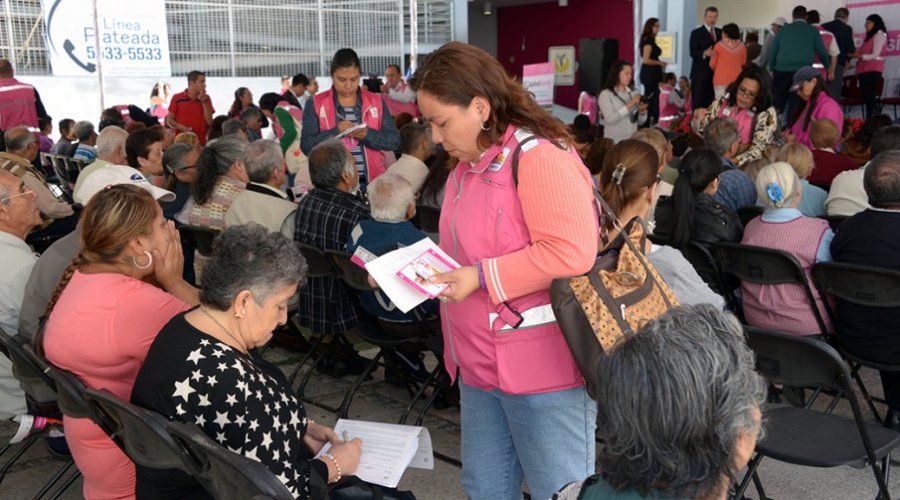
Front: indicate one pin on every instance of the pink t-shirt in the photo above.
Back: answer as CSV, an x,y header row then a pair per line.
x,y
100,330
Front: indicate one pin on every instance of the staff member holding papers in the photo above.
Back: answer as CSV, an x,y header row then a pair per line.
x,y
525,412
202,369
347,105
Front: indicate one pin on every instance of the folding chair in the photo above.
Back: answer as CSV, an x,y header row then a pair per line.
x,y
803,436
40,390
201,238
767,266
62,174
142,432
373,331
225,474
707,267
747,214
865,286
74,404
318,266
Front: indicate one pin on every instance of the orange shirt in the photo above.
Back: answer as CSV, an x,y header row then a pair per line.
x,y
728,58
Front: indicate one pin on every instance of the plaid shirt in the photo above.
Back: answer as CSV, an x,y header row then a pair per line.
x,y
324,219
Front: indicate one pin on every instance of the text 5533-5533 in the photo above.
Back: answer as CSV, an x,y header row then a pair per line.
x,y
130,54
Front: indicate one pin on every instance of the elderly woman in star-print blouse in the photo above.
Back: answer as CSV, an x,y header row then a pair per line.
x,y
202,369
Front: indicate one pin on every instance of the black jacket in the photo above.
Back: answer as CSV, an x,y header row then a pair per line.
x,y
713,222
843,35
700,41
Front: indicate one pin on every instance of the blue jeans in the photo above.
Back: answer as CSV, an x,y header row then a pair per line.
x,y
546,439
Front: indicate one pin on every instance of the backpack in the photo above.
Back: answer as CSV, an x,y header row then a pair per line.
x,y
620,293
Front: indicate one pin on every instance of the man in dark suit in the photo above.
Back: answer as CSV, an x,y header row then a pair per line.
x,y
702,40
843,35
298,87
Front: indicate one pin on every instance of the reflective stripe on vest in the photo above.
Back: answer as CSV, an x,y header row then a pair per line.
x,y
536,316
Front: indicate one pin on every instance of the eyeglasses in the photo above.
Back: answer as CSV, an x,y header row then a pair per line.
x,y
747,93
27,191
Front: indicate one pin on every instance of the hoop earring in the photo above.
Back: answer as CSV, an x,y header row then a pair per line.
x,y
483,127
134,261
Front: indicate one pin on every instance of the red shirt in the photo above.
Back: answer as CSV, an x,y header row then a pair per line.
x,y
827,166
189,112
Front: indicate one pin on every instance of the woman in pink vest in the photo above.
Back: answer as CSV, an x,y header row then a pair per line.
x,y
817,104
785,308
526,415
671,103
748,101
870,65
344,106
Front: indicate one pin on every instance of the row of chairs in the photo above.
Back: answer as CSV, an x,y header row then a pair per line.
x,y
65,168
148,438
803,436
337,265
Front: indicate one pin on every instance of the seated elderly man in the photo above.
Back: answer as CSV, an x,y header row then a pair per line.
x,y
324,220
263,201
110,151
233,126
736,188
87,140
21,149
416,148
869,238
18,216
660,446
847,195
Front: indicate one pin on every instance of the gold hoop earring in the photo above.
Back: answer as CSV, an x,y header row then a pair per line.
x,y
134,261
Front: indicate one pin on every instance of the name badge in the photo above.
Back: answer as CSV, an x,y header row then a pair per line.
x,y
497,162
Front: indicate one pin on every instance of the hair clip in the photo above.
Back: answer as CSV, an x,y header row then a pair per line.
x,y
774,193
619,173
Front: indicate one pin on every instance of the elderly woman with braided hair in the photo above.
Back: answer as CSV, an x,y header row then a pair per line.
x,y
104,315
783,227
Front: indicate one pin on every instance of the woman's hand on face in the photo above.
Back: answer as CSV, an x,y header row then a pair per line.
x,y
168,263
344,125
460,283
347,454
317,435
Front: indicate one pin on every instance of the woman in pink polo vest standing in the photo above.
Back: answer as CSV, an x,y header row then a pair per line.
x,y
871,64
347,105
525,412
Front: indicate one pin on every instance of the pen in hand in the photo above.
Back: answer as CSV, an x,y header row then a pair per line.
x,y
344,435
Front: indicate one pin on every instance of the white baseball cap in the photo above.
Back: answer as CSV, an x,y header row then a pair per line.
x,y
111,175
780,21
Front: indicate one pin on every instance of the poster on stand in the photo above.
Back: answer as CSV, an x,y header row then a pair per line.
x,y
133,37
538,80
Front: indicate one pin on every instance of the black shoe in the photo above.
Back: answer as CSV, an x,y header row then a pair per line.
x,y
892,420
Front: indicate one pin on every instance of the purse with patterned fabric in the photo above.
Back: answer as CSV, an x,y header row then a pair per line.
x,y
620,293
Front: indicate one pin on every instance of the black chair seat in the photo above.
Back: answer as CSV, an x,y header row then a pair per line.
x,y
794,435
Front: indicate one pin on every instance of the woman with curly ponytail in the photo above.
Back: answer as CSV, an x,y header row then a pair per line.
x,y
104,315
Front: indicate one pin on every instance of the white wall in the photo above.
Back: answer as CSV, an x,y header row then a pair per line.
x,y
760,13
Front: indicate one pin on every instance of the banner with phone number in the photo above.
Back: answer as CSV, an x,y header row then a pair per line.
x,y
134,40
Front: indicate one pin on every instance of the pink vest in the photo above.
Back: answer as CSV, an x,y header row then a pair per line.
x,y
17,105
397,107
827,37
877,64
587,105
744,119
371,115
668,112
785,307
482,218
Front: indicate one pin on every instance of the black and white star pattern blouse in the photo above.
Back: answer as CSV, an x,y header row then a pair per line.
x,y
243,402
